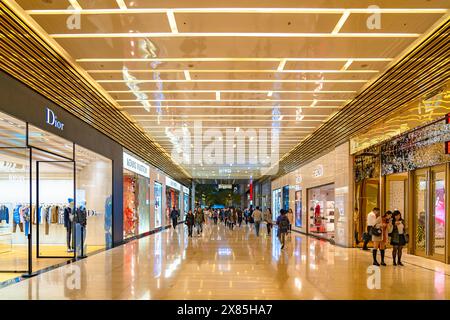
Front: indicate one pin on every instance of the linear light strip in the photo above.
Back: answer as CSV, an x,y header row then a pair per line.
x,y
341,22
187,75
237,100
234,34
230,91
233,71
236,107
172,21
221,59
231,120
228,127
219,116
347,65
76,6
218,95
281,65
241,10
122,5
233,81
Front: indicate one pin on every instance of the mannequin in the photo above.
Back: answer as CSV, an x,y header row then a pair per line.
x,y
68,224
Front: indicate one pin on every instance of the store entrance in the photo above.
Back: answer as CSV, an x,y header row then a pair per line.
x,y
55,215
396,193
429,212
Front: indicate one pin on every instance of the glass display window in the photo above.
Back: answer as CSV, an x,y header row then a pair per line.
x,y
276,203
136,204
47,203
321,211
298,209
158,204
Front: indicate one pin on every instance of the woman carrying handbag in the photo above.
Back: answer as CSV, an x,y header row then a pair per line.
x,y
398,237
380,231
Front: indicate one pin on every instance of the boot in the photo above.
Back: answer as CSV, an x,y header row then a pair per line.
x,y
394,256
400,258
374,254
382,257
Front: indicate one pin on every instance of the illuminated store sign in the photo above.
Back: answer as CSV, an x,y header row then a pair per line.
x,y
225,186
173,184
52,120
298,179
135,165
447,147
318,172
185,190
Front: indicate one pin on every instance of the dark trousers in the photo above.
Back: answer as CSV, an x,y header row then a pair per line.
x,y
215,220
366,241
269,228
356,237
240,221
257,224
69,236
174,222
190,228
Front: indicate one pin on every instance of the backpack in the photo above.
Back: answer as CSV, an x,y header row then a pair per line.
x,y
284,224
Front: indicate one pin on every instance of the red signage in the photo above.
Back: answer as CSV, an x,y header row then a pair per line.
x,y
251,190
447,118
447,147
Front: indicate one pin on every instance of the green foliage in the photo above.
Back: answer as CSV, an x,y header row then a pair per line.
x,y
211,194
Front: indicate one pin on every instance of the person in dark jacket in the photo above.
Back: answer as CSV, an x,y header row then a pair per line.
x,y
283,227
190,222
174,214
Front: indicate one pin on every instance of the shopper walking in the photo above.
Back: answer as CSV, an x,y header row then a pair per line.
x,y
398,237
239,216
268,220
257,218
283,226
199,220
216,216
174,214
290,216
356,224
380,236
371,218
190,221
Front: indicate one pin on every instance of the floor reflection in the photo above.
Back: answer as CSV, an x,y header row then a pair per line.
x,y
231,264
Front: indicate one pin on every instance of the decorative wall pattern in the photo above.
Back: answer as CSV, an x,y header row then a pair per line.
x,y
420,148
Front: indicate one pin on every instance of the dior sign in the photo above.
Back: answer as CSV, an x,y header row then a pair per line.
x,y
52,119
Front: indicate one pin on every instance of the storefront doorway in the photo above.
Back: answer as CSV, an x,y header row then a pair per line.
x,y
429,212
55,199
396,194
276,205
321,211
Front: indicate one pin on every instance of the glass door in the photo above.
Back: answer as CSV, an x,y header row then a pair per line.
x,y
430,213
421,191
438,209
55,219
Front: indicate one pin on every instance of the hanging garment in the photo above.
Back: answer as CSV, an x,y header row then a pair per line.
x,y
4,214
17,215
81,216
61,215
54,214
68,218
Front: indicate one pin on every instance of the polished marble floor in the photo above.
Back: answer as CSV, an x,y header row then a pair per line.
x,y
225,264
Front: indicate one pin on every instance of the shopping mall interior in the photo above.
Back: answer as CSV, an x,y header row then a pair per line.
x,y
224,150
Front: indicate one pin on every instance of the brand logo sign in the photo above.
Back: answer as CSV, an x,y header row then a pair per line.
x,y
298,179
52,120
185,190
135,165
173,184
318,172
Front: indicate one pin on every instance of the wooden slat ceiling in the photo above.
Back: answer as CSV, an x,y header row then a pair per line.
x,y
303,67
424,69
231,64
27,57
